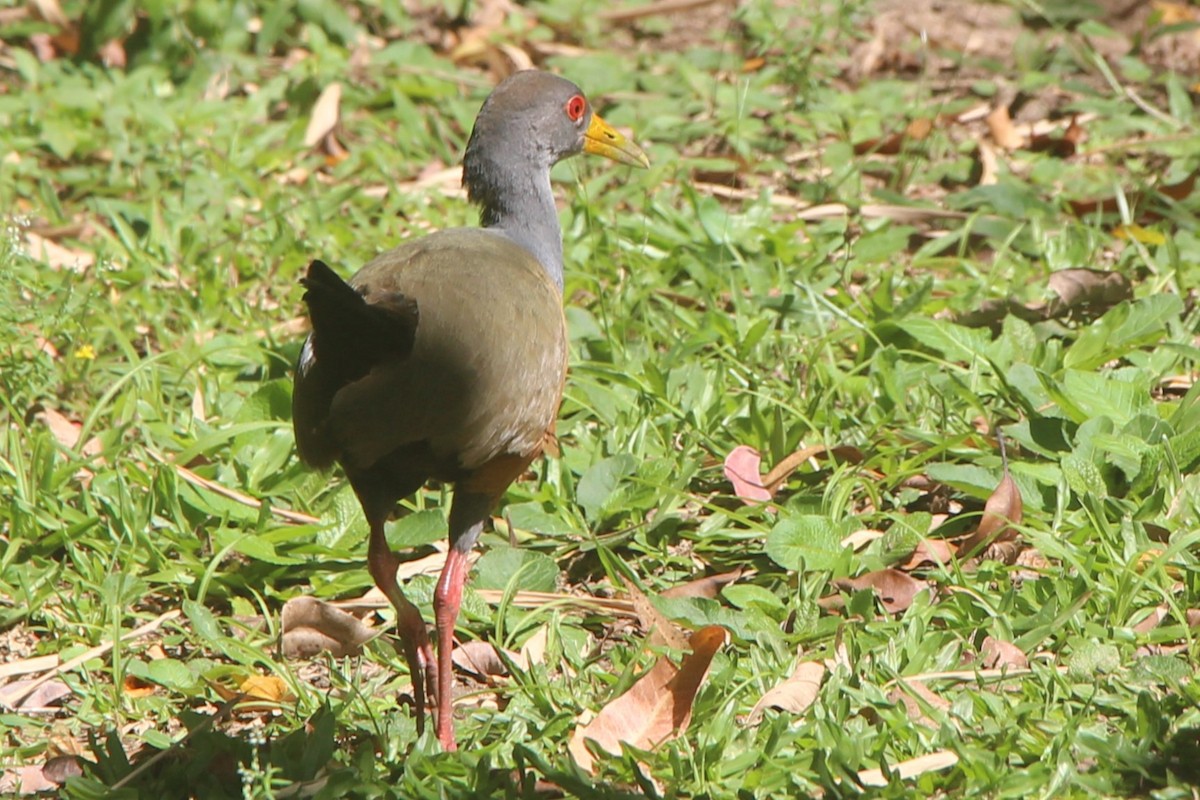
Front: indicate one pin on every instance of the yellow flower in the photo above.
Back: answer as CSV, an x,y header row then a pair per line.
x,y
86,352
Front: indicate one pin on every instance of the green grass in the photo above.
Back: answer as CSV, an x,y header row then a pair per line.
x,y
697,324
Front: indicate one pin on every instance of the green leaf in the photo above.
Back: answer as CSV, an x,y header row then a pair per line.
x,y
600,482
533,571
1123,328
1083,476
1092,659
743,595
810,542
417,529
955,342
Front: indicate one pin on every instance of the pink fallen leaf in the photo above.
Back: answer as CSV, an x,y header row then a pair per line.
x,y
742,469
657,708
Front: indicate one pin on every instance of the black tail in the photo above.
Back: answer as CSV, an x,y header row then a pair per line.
x,y
352,332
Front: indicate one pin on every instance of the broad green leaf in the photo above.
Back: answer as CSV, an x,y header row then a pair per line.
x,y
600,482
810,542
533,571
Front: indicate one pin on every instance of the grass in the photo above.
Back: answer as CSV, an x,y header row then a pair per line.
x,y
700,320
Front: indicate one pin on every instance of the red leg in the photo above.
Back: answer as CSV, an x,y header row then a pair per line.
x,y
447,599
414,637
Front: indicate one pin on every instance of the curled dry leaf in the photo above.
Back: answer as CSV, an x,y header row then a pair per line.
x,y
481,658
861,538
1004,133
896,590
325,115
656,708
311,626
997,653
266,687
709,586
794,695
1092,289
1002,510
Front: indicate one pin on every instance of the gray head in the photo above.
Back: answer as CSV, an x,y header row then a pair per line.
x,y
528,124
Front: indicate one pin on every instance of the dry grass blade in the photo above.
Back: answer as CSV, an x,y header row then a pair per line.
x,y
942,759
94,652
287,515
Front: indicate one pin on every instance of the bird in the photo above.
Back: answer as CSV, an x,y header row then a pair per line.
x,y
445,358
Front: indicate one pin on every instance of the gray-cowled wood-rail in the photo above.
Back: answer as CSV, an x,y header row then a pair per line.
x,y
444,359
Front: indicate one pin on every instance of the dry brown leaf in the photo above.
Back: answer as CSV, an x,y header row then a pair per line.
x,y
658,628
1002,510
997,653
709,586
534,649
34,695
56,256
136,687
1004,133
916,131
266,687
60,768
656,708
311,626
861,538
929,552
933,762
325,115
794,695
480,658
896,590
911,696
1097,290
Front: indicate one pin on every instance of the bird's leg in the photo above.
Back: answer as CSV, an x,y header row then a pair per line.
x,y
414,637
466,521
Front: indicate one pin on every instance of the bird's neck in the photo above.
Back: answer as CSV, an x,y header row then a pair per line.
x,y
520,204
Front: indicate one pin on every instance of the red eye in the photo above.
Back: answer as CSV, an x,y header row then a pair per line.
x,y
575,107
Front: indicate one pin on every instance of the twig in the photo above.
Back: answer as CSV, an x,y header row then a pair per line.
x,y
653,9
231,494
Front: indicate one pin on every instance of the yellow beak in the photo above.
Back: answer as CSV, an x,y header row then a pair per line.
x,y
603,139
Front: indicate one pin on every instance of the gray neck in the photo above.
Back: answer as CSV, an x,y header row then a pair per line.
x,y
520,204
